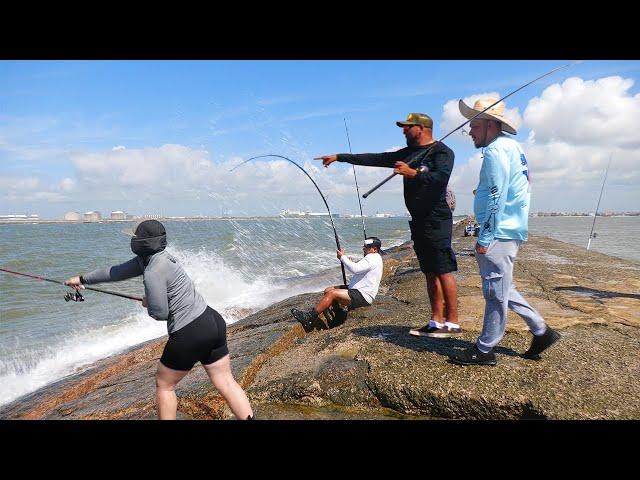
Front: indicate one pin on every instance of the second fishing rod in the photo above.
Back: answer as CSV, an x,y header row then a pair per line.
x,y
364,230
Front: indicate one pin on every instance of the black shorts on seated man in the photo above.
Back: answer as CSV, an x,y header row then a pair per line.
x,y
361,291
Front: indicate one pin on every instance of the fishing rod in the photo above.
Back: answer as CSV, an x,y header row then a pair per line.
x,y
413,161
75,296
364,230
335,232
591,235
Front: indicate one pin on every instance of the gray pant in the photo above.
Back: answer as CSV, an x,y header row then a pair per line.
x,y
496,271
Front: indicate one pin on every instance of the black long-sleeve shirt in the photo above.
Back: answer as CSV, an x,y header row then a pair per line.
x,y
425,195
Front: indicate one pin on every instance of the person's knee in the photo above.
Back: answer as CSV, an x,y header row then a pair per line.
x,y
331,295
162,384
224,382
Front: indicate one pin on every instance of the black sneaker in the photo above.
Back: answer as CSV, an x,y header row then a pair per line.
x,y
473,356
307,319
424,331
540,343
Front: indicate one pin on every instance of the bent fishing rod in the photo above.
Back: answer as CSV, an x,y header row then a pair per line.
x,y
75,296
364,230
412,162
335,233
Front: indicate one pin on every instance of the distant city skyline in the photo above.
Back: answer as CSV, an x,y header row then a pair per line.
x,y
132,217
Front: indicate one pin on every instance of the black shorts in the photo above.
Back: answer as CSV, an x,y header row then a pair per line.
x,y
204,340
432,244
357,300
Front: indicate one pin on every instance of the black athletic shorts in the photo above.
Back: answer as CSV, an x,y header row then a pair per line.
x,y
357,300
432,244
204,340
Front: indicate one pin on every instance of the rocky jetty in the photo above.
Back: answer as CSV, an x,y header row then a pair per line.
x,y
371,368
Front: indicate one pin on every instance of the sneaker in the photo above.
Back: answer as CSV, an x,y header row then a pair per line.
x,y
444,332
540,343
473,356
424,331
307,319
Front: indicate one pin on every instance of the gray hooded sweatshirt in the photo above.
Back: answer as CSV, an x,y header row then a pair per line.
x,y
171,294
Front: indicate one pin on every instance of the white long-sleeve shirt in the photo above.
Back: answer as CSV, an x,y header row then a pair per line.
x,y
367,274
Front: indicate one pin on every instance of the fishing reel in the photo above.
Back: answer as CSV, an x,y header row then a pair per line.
x,y
74,295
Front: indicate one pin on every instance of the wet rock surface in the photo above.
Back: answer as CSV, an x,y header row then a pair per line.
x,y
370,367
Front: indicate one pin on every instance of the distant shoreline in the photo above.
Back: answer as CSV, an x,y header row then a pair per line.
x,y
174,219
274,217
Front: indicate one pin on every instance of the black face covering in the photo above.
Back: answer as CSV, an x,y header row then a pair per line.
x,y
150,238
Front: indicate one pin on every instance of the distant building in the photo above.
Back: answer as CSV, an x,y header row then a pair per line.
x,y
298,214
18,218
92,217
73,216
118,215
292,214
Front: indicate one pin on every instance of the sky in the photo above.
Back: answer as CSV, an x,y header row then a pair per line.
x,y
159,137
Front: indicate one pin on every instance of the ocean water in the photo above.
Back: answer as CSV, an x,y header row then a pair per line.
x,y
616,236
239,266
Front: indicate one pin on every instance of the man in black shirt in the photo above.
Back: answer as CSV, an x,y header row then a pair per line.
x,y
425,196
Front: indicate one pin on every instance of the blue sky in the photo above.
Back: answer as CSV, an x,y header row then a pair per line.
x,y
158,136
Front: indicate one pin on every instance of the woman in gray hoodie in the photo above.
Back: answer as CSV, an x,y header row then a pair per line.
x,y
196,331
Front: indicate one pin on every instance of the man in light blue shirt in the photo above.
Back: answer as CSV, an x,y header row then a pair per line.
x,y
501,207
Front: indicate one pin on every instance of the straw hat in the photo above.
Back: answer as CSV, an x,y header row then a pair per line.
x,y
494,113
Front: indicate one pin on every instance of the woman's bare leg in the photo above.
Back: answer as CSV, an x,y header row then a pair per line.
x,y
166,381
220,374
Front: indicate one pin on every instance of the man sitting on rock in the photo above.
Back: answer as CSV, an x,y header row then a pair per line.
x,y
361,292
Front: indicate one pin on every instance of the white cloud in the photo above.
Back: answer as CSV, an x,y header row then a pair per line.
x,y
463,180
18,184
576,127
67,185
586,112
46,197
27,189
166,167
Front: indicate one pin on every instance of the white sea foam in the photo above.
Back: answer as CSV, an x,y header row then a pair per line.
x,y
33,369
227,290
